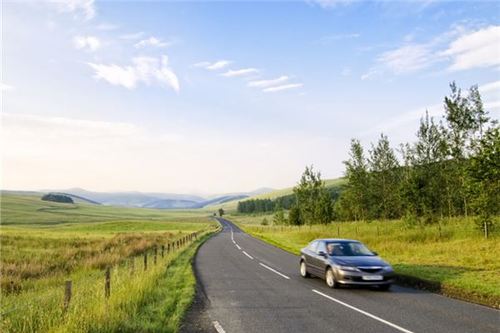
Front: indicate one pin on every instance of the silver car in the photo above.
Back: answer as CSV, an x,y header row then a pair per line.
x,y
345,262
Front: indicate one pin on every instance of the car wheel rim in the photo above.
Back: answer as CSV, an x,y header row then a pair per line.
x,y
329,278
303,269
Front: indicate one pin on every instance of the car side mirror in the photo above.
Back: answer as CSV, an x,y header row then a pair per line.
x,y
321,253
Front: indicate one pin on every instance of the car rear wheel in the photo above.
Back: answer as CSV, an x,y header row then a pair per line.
x,y
330,279
303,270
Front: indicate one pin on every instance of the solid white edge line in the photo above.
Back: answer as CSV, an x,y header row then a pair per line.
x,y
274,271
218,327
363,312
239,248
249,256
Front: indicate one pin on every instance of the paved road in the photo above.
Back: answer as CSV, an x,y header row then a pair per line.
x,y
251,286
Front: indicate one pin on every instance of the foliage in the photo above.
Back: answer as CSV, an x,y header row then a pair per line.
x,y
57,198
313,199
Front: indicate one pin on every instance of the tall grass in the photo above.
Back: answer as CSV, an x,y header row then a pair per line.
x,y
41,310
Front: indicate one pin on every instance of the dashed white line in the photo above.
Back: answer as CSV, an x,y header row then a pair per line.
x,y
249,256
363,312
239,248
218,327
274,271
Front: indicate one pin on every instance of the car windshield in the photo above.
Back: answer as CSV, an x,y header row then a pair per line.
x,y
348,249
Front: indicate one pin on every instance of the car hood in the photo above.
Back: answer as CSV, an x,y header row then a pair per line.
x,y
359,261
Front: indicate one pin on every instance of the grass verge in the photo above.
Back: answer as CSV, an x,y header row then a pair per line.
x,y
452,258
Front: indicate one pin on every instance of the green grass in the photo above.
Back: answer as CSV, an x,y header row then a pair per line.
x,y
454,257
44,243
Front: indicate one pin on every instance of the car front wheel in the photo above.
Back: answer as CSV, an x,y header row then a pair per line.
x,y
330,279
303,270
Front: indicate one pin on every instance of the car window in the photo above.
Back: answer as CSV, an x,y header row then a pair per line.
x,y
312,246
321,247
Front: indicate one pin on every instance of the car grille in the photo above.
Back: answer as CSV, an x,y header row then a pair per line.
x,y
370,269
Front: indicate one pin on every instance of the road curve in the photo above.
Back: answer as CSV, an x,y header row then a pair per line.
x,y
250,286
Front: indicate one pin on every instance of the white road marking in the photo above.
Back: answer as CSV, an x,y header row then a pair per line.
x,y
363,312
274,271
239,248
234,242
249,256
218,327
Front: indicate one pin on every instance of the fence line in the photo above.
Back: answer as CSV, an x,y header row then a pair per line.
x,y
68,284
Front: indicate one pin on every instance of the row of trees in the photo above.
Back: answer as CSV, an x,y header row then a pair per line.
x,y
452,169
265,205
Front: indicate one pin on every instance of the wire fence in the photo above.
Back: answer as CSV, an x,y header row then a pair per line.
x,y
43,308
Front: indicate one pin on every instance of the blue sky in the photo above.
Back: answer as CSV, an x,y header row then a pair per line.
x,y
211,97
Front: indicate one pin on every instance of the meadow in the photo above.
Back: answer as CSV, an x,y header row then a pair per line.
x,y
452,258
45,244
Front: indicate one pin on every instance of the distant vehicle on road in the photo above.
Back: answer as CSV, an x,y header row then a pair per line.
x,y
345,262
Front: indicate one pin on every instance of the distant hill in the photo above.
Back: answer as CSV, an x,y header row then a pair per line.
x,y
231,205
148,200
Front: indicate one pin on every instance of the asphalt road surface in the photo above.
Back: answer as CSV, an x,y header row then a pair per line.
x,y
248,286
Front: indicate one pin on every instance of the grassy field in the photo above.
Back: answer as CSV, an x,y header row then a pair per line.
x,y
454,258
43,244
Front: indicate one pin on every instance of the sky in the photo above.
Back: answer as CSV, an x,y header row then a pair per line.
x,y
216,97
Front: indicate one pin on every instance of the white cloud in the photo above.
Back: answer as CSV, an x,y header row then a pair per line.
x,y
106,26
151,41
268,83
336,37
89,43
81,8
477,49
408,58
143,69
490,87
283,87
5,87
220,64
463,48
240,72
330,3
131,36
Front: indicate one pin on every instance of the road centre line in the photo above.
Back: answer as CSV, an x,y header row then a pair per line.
x,y
363,312
218,327
249,256
274,271
239,248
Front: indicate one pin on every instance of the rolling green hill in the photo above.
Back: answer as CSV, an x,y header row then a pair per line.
x,y
230,206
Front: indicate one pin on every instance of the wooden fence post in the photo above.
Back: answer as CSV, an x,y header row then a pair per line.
x,y
145,261
338,231
168,247
485,230
67,295
162,251
155,254
107,284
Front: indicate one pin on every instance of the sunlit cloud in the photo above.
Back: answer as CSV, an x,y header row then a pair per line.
x,y
88,43
283,87
268,83
240,72
147,70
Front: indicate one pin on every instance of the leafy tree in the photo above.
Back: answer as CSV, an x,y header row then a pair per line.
x,y
294,216
313,199
385,176
484,172
355,201
221,212
279,216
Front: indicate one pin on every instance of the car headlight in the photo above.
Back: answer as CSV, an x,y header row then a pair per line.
x,y
348,268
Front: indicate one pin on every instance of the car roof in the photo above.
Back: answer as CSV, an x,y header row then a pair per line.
x,y
336,240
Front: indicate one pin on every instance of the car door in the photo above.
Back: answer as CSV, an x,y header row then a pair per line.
x,y
309,256
318,262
